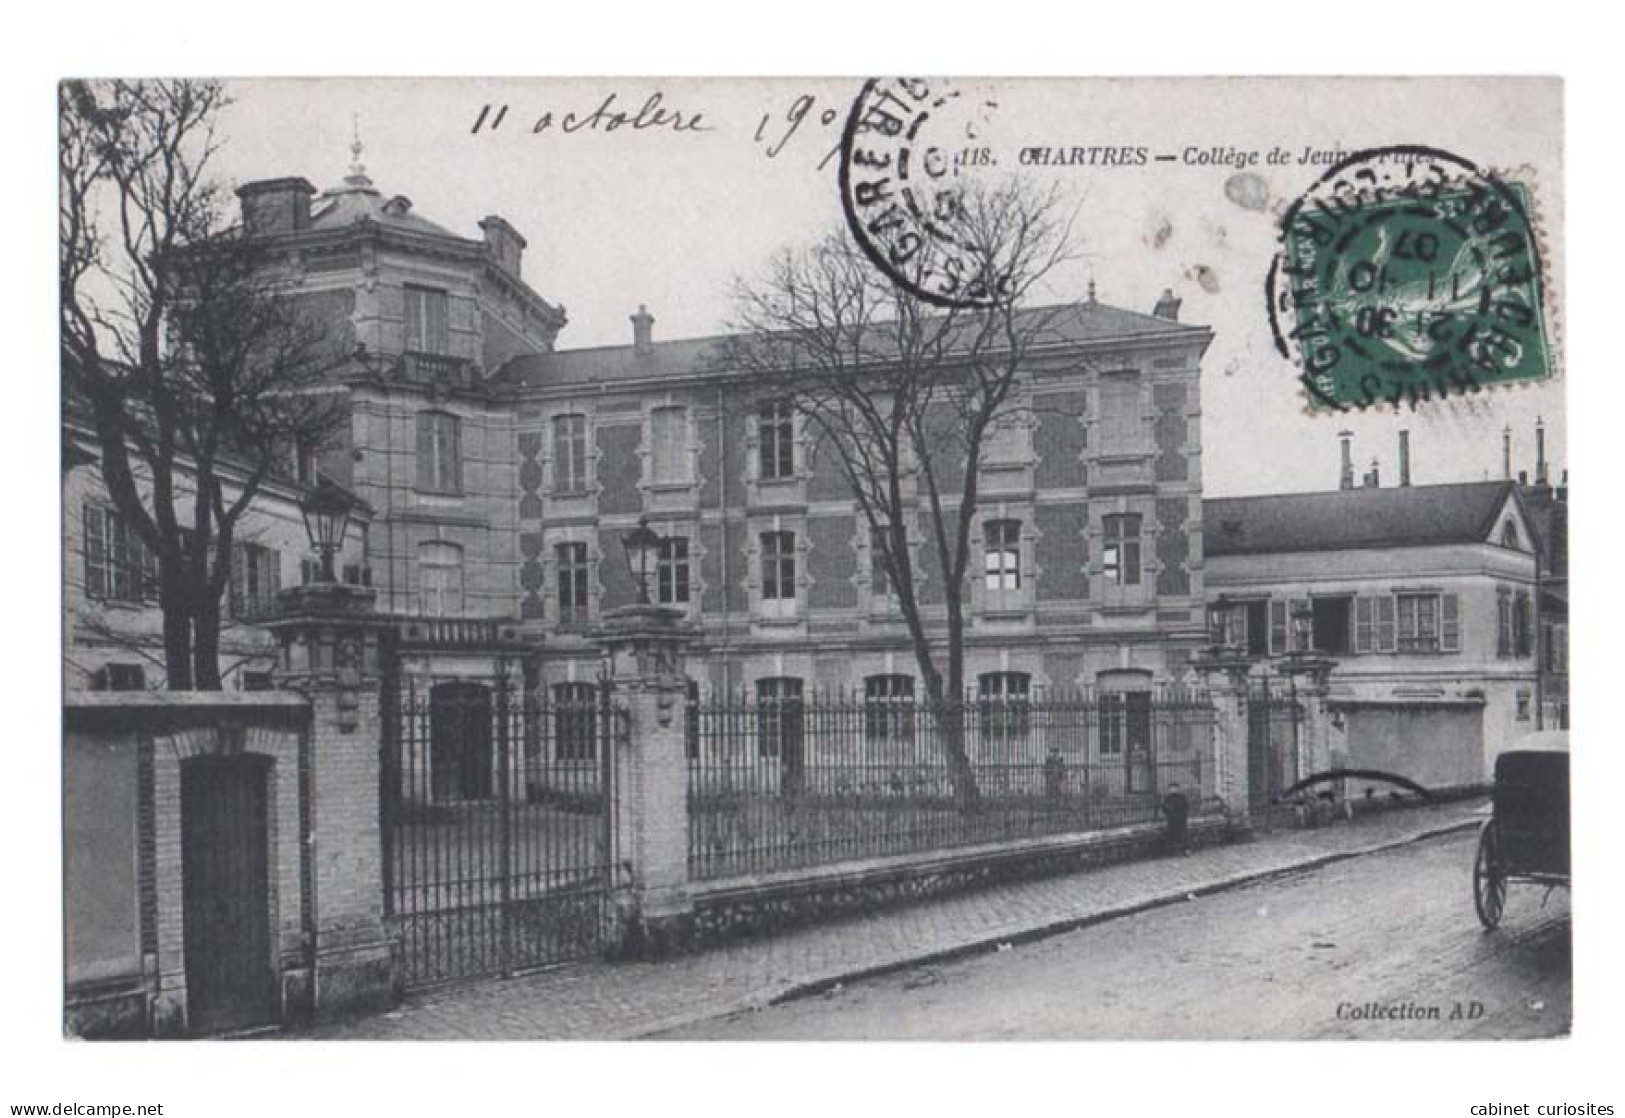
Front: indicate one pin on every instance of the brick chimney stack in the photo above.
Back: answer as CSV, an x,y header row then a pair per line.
x,y
273,206
1404,458
643,332
1345,479
1373,479
1542,477
1167,306
1506,453
504,243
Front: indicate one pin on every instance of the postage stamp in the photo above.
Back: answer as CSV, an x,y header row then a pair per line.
x,y
1404,274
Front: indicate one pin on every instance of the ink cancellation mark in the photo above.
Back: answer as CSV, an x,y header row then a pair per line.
x,y
904,152
1404,274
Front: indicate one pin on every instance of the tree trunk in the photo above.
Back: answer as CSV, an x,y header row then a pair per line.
x,y
206,644
177,636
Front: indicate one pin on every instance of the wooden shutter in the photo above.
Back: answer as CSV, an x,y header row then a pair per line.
x,y
425,450
1449,623
1385,622
1364,625
451,458
437,303
1278,627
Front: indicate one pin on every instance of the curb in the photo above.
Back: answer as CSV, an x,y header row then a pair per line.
x,y
795,990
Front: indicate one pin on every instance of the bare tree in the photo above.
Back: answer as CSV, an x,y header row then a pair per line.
x,y
177,344
906,394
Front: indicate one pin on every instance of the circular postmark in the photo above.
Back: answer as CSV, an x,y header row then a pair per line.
x,y
905,146
1404,274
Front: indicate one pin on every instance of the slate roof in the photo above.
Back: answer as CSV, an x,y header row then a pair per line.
x,y
358,198
1078,322
1345,519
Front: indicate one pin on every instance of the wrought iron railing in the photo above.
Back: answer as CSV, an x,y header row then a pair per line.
x,y
787,783
437,368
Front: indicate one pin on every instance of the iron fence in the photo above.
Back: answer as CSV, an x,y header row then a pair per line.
x,y
497,825
786,783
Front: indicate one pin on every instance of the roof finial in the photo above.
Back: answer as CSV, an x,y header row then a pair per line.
x,y
1092,299
358,169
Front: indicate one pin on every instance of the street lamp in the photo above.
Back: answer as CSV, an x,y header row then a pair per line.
x,y
641,544
326,509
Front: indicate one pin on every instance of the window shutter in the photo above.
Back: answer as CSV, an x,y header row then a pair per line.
x,y
1278,627
239,561
1450,623
451,465
425,450
1364,627
95,553
438,305
1385,622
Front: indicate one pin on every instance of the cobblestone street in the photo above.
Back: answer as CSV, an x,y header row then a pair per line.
x,y
605,1001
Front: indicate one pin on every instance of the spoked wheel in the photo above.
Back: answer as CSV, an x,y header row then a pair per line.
x,y
1489,878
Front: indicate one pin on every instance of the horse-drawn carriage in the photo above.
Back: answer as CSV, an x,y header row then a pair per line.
x,y
1526,838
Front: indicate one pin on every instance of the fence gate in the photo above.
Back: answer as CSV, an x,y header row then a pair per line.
x,y
1274,741
498,825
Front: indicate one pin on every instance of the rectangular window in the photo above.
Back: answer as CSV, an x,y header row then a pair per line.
x,y
776,436
888,708
1522,625
119,677
1331,625
118,566
1002,554
671,572
439,453
779,724
569,454
256,577
1003,705
571,560
440,579
575,721
1418,616
668,429
426,320
778,566
1120,557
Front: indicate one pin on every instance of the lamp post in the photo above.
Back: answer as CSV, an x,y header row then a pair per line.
x,y
640,544
326,510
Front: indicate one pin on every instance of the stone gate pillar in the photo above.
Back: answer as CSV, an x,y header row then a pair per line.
x,y
1224,674
644,646
329,650
1311,681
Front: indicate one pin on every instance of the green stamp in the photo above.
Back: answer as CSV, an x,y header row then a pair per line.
x,y
1406,274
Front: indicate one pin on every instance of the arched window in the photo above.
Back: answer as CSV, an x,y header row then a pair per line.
x,y
440,579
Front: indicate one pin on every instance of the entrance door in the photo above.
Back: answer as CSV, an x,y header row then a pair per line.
x,y
225,890
460,762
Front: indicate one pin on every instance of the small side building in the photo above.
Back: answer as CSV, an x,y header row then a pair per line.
x,y
1423,596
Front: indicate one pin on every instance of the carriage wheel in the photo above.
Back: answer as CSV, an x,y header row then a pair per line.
x,y
1489,878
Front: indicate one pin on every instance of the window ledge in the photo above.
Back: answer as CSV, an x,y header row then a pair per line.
x,y
670,486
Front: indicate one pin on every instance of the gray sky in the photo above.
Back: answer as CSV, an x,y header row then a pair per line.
x,y
615,219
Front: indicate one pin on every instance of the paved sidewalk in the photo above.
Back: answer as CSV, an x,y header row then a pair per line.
x,y
603,1001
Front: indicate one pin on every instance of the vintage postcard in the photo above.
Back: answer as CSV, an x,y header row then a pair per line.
x,y
867,558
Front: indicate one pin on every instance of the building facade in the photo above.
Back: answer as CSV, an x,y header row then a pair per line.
x,y
503,471
1424,597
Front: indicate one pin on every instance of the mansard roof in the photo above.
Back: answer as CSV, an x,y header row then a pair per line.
x,y
1345,519
1071,324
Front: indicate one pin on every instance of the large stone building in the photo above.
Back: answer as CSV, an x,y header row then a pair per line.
x,y
503,470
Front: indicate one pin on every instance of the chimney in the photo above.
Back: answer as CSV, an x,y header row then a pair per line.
x,y
504,243
274,206
1345,479
1167,306
1506,453
1372,479
1541,476
643,332
1404,458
